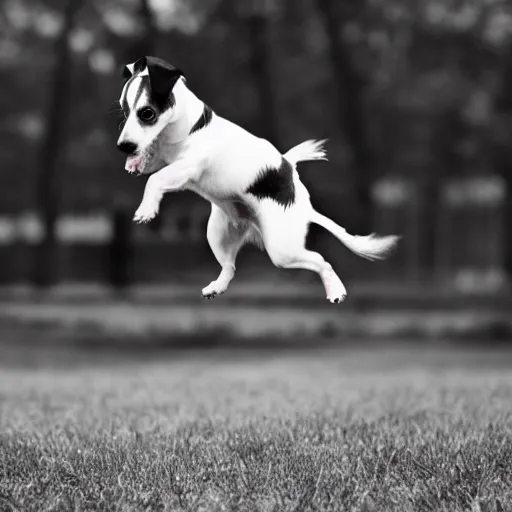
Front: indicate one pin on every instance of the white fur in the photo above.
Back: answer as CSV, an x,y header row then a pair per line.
x,y
220,162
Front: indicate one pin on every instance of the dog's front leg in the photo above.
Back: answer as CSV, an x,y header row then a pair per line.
x,y
171,178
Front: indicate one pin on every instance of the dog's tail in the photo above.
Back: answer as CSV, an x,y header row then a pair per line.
x,y
372,247
308,150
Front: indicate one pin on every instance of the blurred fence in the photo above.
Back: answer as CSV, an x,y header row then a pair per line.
x,y
465,221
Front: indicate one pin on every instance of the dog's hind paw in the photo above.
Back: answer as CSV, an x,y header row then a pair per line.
x,y
211,291
337,300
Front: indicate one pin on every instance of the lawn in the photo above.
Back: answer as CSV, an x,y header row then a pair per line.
x,y
372,429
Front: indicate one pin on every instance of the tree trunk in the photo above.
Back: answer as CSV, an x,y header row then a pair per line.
x,y
502,154
147,42
351,111
47,183
261,70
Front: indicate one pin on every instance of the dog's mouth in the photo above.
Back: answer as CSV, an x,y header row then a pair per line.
x,y
143,161
135,164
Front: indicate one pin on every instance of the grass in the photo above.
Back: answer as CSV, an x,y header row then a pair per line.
x,y
369,430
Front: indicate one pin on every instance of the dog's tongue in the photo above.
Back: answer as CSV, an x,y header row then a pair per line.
x,y
134,163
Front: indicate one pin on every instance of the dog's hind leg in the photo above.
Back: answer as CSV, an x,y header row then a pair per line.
x,y
284,234
309,260
225,239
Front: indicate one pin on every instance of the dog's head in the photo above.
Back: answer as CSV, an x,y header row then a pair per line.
x,y
147,102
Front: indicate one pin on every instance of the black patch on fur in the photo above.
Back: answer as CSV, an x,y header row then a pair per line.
x,y
124,105
162,77
139,65
203,121
144,84
275,183
127,74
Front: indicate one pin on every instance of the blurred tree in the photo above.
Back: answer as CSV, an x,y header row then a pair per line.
x,y
48,180
502,154
350,100
256,16
413,79
119,271
146,41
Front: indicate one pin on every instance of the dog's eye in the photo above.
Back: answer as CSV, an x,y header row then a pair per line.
x,y
146,115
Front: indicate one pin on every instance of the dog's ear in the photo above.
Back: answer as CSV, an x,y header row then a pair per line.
x,y
162,78
139,65
135,67
127,72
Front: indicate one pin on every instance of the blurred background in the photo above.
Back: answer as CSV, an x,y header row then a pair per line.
x,y
414,96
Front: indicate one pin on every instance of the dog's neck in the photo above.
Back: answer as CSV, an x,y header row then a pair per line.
x,y
189,109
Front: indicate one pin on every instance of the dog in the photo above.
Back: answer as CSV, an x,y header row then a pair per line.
x,y
255,191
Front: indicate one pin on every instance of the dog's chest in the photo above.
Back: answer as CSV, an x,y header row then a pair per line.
x,y
168,151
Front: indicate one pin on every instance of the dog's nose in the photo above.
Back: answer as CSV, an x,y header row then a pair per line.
x,y
127,147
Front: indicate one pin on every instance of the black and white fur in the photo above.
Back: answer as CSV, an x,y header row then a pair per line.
x,y
255,191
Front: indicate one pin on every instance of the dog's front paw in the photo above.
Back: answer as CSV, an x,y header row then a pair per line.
x,y
145,214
